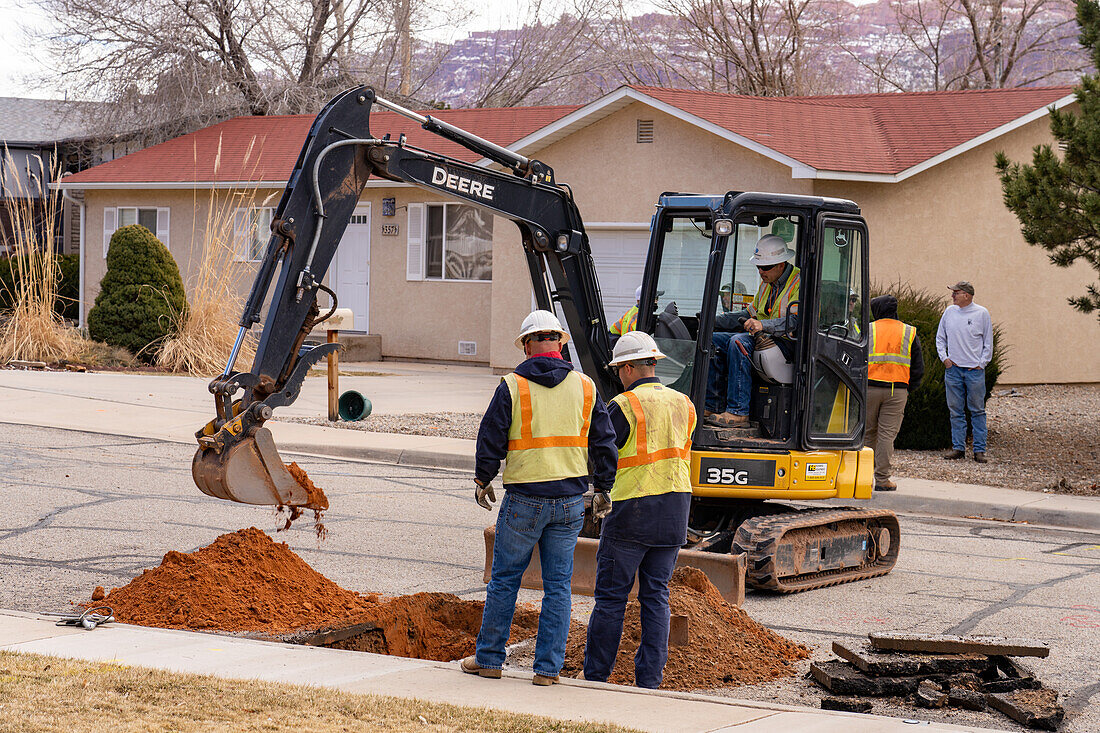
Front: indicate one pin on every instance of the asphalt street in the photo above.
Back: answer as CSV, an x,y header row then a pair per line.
x,y
82,510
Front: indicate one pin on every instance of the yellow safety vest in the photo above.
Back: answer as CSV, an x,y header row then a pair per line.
x,y
788,295
548,438
891,350
628,322
657,456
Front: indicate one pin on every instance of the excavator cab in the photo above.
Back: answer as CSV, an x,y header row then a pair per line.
x,y
807,381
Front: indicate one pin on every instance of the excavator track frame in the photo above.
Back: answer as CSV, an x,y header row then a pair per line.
x,y
764,537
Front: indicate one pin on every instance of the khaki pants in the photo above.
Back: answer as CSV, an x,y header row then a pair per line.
x,y
885,411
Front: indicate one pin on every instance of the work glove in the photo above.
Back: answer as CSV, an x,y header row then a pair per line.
x,y
601,504
484,495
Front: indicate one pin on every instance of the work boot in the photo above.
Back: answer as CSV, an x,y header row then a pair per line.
x,y
886,485
954,455
469,665
543,681
729,420
979,457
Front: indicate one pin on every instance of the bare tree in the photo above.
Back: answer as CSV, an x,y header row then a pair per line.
x,y
962,44
188,62
758,47
542,60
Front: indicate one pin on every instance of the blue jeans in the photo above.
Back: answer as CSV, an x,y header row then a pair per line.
x,y
729,379
617,562
523,522
966,389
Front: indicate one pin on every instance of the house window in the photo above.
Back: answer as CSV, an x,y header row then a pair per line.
x,y
155,219
251,231
128,216
458,243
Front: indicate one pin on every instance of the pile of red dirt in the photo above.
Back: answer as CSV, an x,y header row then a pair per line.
x,y
246,582
725,647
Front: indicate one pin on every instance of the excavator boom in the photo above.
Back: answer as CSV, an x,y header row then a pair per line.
x,y
237,459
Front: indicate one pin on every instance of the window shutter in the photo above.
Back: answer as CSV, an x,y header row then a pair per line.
x,y
240,234
110,224
162,226
415,248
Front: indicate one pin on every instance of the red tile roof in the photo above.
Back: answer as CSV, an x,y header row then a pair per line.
x,y
869,133
266,148
866,133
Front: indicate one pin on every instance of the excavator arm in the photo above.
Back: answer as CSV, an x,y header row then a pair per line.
x,y
237,458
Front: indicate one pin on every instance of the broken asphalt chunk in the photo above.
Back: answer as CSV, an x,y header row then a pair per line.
x,y
929,695
946,644
1033,708
884,663
840,678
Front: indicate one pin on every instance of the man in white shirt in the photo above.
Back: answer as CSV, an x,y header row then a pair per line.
x,y
964,341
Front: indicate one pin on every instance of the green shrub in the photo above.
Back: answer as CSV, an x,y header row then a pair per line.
x,y
141,295
927,424
68,285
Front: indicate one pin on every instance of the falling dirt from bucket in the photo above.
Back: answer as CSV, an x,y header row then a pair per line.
x,y
318,502
246,582
725,647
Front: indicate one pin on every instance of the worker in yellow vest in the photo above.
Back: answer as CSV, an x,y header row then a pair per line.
x,y
729,378
647,523
895,367
546,422
627,321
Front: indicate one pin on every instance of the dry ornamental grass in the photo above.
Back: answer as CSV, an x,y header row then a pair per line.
x,y
204,334
31,330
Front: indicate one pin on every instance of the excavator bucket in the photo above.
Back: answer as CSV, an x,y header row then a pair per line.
x,y
249,471
725,571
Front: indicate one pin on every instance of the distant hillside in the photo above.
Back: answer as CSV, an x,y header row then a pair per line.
x,y
852,49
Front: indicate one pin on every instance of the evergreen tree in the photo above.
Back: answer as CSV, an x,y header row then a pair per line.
x,y
1057,199
140,297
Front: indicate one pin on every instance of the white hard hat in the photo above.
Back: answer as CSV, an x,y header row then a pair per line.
x,y
638,293
771,250
537,322
634,345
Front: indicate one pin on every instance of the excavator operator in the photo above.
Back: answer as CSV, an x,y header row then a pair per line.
x,y
729,380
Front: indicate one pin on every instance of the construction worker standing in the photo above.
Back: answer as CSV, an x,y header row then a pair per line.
x,y
894,368
545,421
648,517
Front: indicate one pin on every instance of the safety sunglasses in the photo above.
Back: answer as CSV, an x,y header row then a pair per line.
x,y
765,268
544,337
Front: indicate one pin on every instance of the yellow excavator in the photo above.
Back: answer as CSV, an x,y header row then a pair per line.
x,y
803,442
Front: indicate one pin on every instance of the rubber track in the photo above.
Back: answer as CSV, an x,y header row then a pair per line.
x,y
760,537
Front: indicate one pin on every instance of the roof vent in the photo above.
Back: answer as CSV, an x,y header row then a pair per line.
x,y
645,131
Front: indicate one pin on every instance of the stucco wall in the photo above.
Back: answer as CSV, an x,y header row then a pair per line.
x,y
949,224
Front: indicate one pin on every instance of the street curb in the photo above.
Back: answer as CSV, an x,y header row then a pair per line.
x,y
1023,513
401,457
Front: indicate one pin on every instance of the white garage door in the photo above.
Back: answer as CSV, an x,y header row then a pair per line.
x,y
619,255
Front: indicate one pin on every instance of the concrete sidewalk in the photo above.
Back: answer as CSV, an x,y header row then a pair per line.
x,y
360,672
173,408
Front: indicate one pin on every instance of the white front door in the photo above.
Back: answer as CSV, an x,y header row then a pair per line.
x,y
352,272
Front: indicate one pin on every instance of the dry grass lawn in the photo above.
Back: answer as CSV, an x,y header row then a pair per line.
x,y
40,693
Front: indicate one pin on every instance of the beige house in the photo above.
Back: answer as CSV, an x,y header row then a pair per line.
x,y
919,165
